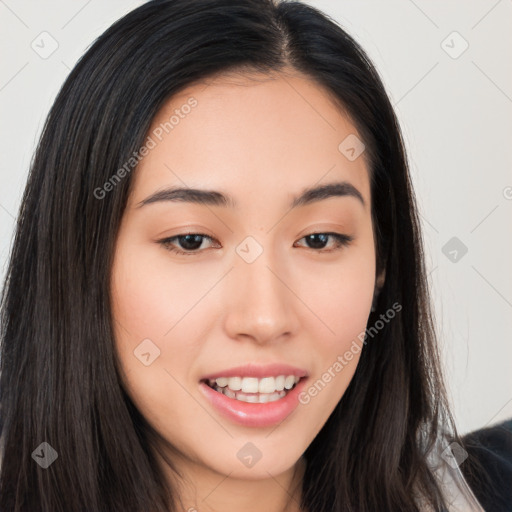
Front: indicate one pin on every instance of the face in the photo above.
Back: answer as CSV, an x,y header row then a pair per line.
x,y
267,279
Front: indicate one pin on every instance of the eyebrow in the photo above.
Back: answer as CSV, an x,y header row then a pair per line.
x,y
214,198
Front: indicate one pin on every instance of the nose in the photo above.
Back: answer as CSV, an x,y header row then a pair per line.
x,y
261,305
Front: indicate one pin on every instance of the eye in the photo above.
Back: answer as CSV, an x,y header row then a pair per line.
x,y
191,243
318,241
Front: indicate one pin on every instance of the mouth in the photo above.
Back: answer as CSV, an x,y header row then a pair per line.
x,y
256,396
254,390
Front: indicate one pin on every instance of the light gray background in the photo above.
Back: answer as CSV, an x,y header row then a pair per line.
x,y
456,115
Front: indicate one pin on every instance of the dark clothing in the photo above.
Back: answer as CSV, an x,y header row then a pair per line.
x,y
492,447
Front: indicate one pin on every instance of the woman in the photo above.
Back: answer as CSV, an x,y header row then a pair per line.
x,y
216,298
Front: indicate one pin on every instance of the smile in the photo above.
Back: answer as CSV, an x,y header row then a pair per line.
x,y
254,390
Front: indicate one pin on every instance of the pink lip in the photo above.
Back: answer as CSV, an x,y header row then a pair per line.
x,y
254,415
260,371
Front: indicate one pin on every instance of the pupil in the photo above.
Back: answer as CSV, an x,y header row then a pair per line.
x,y
314,239
190,242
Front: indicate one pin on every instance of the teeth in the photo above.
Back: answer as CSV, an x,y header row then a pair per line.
x,y
289,382
229,393
266,385
252,398
249,385
234,383
222,381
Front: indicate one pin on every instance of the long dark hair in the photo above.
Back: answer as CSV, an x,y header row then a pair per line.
x,y
60,380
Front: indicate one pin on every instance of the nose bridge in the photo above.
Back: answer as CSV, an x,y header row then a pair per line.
x,y
261,305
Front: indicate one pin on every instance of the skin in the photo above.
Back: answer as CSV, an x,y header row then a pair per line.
x,y
262,140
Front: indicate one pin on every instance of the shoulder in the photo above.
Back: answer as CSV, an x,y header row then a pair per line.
x,y
491,448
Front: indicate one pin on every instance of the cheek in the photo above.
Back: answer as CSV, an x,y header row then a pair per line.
x,y
149,295
340,300
144,311
147,304
343,307
339,297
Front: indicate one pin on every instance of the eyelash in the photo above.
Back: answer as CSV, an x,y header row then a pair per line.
x,y
341,242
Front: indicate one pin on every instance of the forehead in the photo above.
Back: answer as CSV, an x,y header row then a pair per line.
x,y
252,133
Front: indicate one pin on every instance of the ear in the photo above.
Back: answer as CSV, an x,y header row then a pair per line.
x,y
379,281
381,278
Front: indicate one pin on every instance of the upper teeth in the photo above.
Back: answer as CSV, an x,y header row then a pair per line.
x,y
255,385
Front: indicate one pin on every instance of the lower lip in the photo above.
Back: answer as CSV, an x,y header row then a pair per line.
x,y
254,415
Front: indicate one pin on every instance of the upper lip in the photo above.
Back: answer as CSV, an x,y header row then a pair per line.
x,y
259,371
